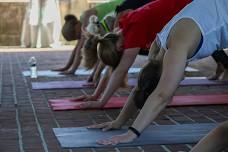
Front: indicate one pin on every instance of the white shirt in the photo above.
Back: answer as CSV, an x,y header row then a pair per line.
x,y
211,16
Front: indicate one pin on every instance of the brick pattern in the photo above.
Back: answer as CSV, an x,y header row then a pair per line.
x,y
27,120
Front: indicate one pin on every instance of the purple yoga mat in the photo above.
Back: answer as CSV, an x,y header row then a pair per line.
x,y
201,82
131,82
62,85
69,84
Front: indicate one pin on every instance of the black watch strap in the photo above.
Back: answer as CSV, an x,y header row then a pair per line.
x,y
135,131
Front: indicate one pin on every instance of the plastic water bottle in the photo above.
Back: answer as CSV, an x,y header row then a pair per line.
x,y
32,64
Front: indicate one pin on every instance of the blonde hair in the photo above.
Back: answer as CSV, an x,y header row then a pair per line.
x,y
103,48
92,26
107,51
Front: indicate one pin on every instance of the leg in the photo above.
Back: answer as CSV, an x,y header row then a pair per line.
x,y
25,32
215,141
34,35
46,36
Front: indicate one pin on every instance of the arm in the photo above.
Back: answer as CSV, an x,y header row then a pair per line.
x,y
126,113
99,89
119,73
170,80
102,83
76,53
75,58
98,72
116,78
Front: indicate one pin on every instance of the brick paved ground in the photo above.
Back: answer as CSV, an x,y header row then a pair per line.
x,y
26,120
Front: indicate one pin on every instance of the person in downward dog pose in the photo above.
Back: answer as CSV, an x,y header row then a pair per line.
x,y
73,30
168,57
118,50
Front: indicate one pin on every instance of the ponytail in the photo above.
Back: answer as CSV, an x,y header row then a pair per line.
x,y
89,52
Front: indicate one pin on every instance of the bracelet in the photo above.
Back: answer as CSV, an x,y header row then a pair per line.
x,y
135,131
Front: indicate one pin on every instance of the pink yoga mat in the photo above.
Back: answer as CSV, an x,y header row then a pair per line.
x,y
118,102
131,82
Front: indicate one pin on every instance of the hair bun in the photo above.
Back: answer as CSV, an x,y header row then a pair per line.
x,y
70,17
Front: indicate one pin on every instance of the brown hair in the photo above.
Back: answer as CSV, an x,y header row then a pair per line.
x,y
147,81
69,31
89,52
107,51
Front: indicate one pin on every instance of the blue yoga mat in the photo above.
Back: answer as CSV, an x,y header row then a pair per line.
x,y
163,134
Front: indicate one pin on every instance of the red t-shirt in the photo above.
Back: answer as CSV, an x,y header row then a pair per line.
x,y
139,27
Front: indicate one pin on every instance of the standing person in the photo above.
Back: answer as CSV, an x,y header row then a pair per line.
x,y
41,16
138,29
169,54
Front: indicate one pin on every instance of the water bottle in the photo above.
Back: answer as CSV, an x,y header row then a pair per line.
x,y
32,64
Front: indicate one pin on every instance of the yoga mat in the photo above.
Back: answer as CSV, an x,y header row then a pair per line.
x,y
69,84
82,137
50,73
189,69
201,81
192,81
72,104
118,102
62,85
